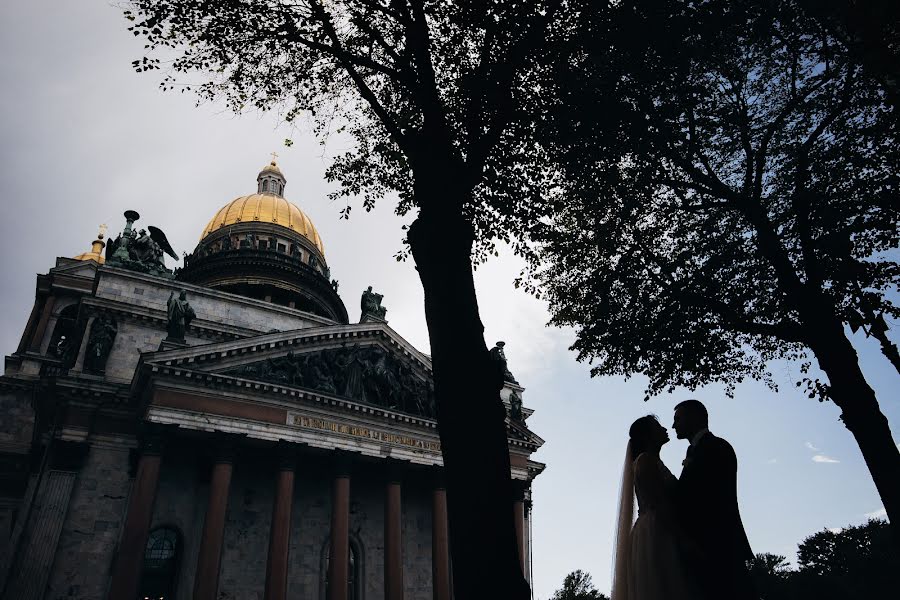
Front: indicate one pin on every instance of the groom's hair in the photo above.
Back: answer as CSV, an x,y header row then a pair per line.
x,y
696,408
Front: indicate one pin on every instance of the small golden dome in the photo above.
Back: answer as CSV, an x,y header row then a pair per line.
x,y
94,256
265,208
272,168
96,252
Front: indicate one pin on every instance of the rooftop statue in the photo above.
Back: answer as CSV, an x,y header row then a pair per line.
x,y
180,314
142,251
370,305
499,357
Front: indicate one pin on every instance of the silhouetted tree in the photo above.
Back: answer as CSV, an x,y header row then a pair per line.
x,y
853,563
578,586
771,576
856,562
429,93
870,30
727,196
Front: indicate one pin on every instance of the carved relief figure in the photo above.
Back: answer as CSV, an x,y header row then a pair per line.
x,y
351,362
365,374
180,315
100,343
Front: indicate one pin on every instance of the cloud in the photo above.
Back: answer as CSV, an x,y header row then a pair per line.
x,y
835,529
878,514
772,461
821,458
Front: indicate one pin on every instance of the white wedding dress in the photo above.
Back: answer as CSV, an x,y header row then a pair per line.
x,y
655,569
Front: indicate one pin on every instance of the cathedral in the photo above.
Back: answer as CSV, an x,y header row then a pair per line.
x,y
222,430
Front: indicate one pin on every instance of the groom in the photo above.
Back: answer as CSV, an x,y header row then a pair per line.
x,y
708,507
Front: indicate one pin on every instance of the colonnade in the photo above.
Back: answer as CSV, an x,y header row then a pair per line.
x,y
129,563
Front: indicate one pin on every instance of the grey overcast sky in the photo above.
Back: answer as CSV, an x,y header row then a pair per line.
x,y
85,138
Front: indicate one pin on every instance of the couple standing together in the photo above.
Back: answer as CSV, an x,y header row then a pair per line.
x,y
688,542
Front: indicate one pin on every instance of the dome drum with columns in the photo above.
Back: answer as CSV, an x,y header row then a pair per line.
x,y
265,247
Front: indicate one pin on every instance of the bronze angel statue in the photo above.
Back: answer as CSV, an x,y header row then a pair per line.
x,y
147,247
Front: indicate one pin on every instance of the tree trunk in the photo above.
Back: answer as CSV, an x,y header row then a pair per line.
x,y
471,416
859,409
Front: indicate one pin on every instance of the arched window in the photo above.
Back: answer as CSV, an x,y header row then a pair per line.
x,y
354,571
161,558
265,185
61,341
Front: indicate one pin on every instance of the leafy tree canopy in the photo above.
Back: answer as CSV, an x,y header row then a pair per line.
x,y
404,81
852,563
724,165
578,586
728,196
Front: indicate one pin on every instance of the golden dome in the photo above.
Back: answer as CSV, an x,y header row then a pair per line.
x,y
94,256
265,208
272,168
96,252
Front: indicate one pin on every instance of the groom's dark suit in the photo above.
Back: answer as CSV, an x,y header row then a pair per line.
x,y
708,507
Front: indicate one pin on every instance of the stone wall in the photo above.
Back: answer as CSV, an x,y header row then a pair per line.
x,y
17,421
310,525
417,501
91,530
133,338
213,309
248,520
209,304
181,503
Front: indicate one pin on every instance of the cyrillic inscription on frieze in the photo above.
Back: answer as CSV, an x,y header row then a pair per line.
x,y
361,432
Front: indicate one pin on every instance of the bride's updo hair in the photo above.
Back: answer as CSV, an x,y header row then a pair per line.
x,y
640,434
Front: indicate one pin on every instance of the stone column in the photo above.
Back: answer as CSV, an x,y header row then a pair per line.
x,y
528,529
129,562
38,335
36,546
339,552
393,555
440,544
280,533
206,577
519,520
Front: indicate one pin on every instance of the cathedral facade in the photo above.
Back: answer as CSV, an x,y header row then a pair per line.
x,y
224,431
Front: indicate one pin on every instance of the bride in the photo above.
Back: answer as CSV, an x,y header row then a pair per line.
x,y
647,561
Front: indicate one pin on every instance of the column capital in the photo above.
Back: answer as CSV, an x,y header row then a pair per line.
x,y
153,439
226,447
341,463
67,455
520,490
438,480
286,455
394,470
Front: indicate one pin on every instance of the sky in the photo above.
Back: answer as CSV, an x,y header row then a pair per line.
x,y
83,138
